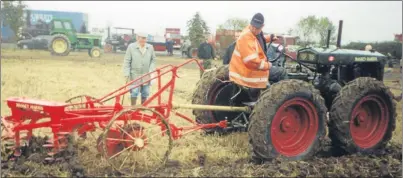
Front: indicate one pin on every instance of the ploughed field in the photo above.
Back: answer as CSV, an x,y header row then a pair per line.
x,y
37,74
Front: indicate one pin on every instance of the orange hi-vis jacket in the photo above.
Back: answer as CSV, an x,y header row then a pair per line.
x,y
249,66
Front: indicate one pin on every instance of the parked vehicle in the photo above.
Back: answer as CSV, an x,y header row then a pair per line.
x,y
119,40
175,35
38,42
65,38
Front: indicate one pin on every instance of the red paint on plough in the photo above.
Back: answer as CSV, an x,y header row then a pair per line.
x,y
84,116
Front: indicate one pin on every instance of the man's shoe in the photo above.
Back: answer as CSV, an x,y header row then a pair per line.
x,y
133,101
143,100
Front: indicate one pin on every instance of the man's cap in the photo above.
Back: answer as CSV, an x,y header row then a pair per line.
x,y
368,48
257,20
141,34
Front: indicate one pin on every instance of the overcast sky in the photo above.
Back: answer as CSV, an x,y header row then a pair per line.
x,y
363,21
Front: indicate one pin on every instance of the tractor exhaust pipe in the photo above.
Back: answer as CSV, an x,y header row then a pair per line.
x,y
339,34
328,38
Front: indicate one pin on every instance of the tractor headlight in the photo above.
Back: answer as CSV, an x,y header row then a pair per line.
x,y
307,56
311,57
303,56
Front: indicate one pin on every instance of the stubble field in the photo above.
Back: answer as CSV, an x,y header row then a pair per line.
x,y
37,74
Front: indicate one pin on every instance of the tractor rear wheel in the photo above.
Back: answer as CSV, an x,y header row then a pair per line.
x,y
362,117
59,45
214,88
108,48
94,52
288,121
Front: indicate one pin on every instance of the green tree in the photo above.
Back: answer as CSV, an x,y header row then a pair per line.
x,y
12,14
313,30
323,25
197,29
305,29
234,24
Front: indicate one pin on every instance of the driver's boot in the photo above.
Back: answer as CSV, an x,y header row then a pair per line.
x,y
133,101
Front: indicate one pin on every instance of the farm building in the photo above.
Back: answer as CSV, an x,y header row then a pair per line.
x,y
398,37
39,17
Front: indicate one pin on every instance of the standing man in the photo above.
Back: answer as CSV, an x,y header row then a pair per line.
x,y
249,66
139,59
206,53
184,48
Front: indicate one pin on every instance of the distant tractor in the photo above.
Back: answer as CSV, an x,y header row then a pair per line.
x,y
66,38
118,40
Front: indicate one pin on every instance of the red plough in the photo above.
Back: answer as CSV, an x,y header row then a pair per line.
x,y
145,131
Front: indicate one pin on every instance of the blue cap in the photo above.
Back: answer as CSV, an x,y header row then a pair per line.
x,y
257,20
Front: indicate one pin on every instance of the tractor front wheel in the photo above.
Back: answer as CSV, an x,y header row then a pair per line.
x,y
94,52
288,121
362,117
59,45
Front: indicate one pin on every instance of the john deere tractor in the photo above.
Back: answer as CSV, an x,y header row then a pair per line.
x,y
335,91
66,38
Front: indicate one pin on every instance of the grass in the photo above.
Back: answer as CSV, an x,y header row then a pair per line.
x,y
37,74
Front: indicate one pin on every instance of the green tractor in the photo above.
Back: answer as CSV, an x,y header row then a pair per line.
x,y
66,38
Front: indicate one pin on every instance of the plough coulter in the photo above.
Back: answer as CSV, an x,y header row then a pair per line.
x,y
145,130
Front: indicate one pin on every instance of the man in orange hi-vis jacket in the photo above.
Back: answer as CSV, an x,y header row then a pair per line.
x,y
249,66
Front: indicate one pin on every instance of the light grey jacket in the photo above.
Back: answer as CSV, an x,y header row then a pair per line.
x,y
135,64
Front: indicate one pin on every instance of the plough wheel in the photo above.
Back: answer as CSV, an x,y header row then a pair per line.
x,y
135,145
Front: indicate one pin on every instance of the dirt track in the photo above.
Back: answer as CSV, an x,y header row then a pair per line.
x,y
327,164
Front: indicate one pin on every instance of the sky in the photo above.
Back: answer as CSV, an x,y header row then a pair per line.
x,y
366,21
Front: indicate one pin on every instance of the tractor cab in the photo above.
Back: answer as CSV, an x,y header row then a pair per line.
x,y
65,27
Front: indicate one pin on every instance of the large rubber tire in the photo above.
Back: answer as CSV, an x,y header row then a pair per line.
x,y
108,48
302,101
95,52
345,116
213,84
63,39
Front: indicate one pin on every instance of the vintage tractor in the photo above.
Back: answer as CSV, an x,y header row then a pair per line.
x,y
66,38
334,91
119,41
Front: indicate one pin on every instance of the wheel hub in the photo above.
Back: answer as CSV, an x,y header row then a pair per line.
x,y
95,53
369,121
287,124
59,46
137,137
294,127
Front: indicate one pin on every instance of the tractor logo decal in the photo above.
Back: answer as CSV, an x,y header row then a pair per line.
x,y
29,106
363,59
